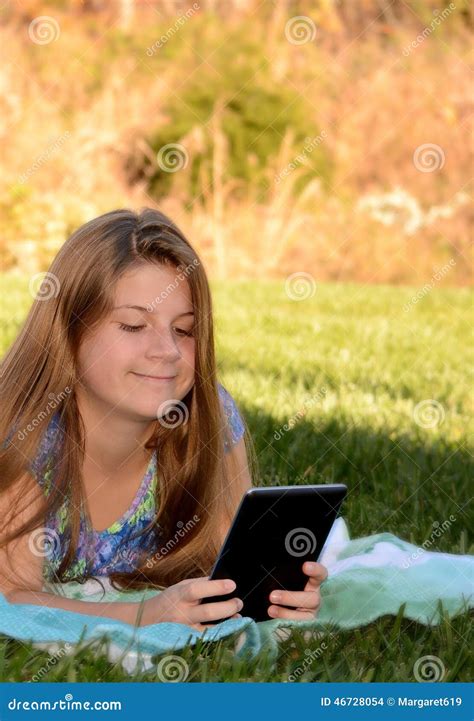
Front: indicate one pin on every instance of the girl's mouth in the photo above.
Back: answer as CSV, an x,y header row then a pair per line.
x,y
162,379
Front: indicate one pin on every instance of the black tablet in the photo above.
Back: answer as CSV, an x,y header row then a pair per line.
x,y
275,530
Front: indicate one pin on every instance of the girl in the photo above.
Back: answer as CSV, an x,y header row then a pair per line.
x,y
123,455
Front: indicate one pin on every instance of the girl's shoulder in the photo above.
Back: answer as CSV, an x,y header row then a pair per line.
x,y
234,419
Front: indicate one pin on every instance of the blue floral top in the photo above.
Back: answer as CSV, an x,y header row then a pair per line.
x,y
118,547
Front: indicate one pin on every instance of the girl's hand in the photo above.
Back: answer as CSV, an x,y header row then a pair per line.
x,y
307,602
180,603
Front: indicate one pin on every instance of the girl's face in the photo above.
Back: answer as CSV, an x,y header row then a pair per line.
x,y
140,357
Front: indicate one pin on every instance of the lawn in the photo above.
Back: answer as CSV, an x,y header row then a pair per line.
x,y
347,369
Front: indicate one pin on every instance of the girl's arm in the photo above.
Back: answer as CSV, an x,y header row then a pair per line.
x,y
21,561
120,611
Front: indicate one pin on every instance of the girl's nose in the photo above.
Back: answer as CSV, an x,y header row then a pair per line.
x,y
163,345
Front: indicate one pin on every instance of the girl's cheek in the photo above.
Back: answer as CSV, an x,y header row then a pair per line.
x,y
189,353
113,352
110,353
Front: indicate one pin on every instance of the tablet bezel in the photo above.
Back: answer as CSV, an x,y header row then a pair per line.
x,y
278,492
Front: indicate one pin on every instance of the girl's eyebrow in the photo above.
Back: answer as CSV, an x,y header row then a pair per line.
x,y
140,307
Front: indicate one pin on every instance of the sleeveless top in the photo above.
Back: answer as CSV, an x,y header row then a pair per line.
x,y
118,547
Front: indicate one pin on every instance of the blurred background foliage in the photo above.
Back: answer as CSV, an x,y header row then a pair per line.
x,y
299,155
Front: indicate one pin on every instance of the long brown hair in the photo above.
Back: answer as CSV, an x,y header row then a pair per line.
x,y
41,365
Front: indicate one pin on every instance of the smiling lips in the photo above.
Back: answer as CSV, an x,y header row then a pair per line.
x,y
154,378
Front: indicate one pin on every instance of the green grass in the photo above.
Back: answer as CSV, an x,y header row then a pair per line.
x,y
358,364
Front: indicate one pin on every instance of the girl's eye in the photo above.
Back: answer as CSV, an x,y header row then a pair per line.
x,y
182,332
136,328
130,328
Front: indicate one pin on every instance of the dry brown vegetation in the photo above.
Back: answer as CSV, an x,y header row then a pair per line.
x,y
80,115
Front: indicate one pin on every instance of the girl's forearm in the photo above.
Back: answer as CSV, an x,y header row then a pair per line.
x,y
118,610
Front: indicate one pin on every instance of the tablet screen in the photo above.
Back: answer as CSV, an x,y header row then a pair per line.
x,y
275,530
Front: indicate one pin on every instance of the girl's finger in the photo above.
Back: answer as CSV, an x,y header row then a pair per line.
x,y
202,626
203,588
304,599
216,610
290,613
317,573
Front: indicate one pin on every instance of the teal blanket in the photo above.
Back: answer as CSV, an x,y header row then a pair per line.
x,y
368,578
